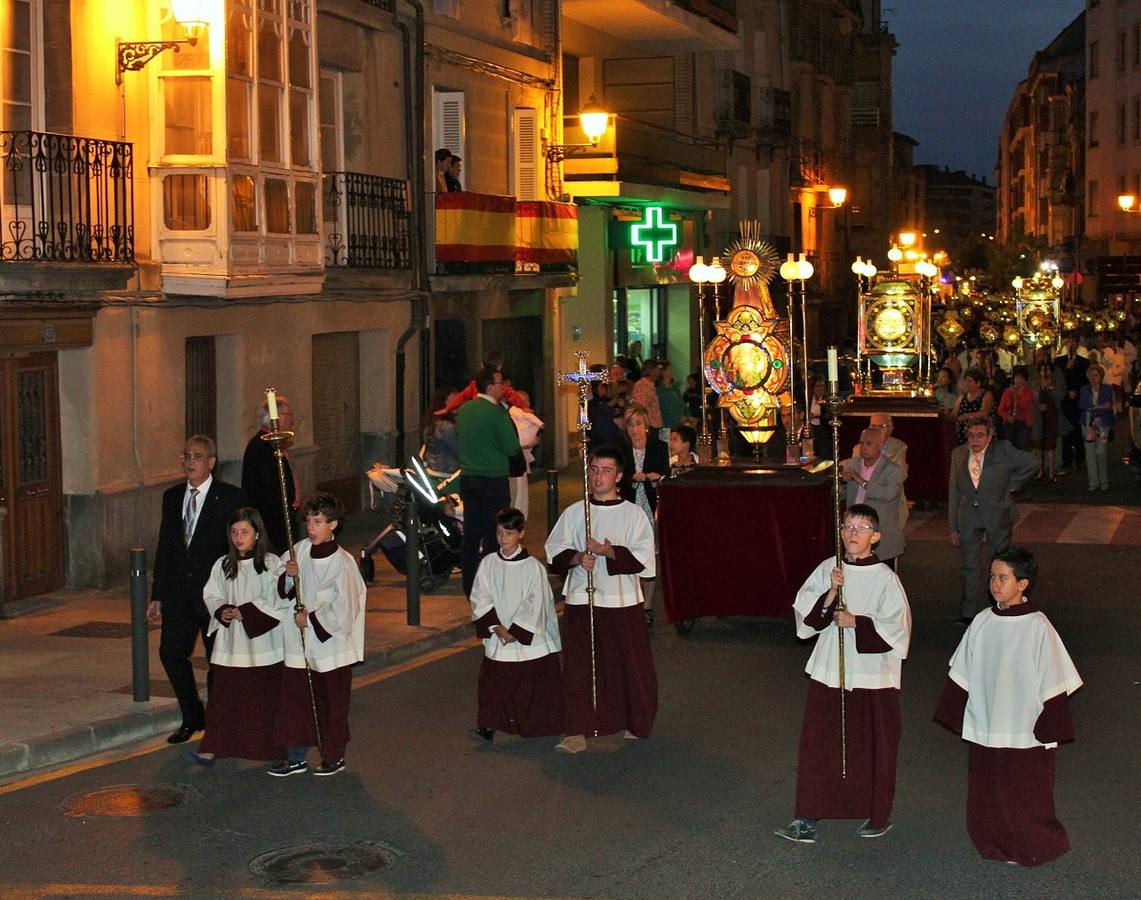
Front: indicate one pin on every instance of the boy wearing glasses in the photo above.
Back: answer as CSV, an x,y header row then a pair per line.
x,y
876,630
620,553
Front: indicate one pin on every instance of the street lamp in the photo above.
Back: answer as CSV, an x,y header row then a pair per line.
x,y
837,196
1127,202
701,275
594,120
132,56
797,270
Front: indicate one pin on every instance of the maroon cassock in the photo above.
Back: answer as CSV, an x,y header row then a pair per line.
x,y
331,691
523,698
243,700
873,729
1010,792
627,680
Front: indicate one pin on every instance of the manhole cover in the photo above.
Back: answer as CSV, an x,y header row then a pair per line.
x,y
324,863
129,800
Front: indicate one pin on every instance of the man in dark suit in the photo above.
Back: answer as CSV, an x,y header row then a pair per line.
x,y
260,482
191,538
877,481
1072,367
985,471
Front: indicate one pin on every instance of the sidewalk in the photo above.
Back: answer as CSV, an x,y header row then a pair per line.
x,y
65,658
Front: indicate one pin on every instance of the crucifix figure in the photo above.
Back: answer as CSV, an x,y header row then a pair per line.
x,y
582,378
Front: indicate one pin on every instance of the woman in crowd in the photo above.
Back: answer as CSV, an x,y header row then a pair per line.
x,y
647,463
1095,403
1049,418
945,391
438,432
976,401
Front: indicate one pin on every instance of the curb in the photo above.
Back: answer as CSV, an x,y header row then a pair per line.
x,y
106,734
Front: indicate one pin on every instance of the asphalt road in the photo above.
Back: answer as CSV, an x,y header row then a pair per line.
x,y
688,813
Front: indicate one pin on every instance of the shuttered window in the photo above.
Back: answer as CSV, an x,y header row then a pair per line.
x,y
201,387
524,159
448,126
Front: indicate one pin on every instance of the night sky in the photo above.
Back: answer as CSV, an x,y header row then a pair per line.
x,y
956,69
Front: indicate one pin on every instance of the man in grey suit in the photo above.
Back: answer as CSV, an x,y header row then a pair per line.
x,y
985,471
877,481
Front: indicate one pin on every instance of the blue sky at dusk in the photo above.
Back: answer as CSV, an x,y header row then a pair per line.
x,y
957,66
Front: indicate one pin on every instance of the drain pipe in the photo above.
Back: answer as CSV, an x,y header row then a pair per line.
x,y
414,155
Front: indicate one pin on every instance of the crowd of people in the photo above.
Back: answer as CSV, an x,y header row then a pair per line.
x,y
1062,406
283,626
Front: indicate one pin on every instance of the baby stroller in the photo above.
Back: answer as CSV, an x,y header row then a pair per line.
x,y
439,517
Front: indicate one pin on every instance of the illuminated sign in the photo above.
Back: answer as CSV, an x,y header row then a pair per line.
x,y
654,234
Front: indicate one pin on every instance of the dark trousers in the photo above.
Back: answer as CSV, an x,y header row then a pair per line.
x,y
483,497
1073,444
176,645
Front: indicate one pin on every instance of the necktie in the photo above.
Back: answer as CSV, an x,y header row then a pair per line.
x,y
976,468
188,519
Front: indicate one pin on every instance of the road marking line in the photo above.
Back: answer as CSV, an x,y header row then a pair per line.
x,y
1092,525
111,757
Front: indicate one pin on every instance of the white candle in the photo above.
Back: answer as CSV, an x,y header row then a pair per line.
x,y
271,402
833,365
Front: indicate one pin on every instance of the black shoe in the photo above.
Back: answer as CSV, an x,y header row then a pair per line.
x,y
481,734
285,768
330,768
184,733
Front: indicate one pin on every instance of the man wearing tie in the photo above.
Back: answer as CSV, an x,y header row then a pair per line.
x,y
191,538
985,472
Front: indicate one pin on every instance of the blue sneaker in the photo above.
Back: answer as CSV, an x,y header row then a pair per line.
x,y
800,831
867,831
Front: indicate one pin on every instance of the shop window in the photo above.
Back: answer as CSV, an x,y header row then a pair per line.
x,y
186,202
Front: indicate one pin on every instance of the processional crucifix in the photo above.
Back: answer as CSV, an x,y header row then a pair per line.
x,y
582,378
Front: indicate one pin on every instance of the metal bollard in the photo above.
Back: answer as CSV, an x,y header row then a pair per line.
x,y
412,559
552,498
140,655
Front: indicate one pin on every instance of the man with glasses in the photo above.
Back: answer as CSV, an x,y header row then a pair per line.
x,y
191,538
877,481
488,440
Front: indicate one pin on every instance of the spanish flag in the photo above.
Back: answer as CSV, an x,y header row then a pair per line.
x,y
547,234
475,232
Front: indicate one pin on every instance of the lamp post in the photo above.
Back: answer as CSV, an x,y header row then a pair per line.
x,y
797,270
593,120
699,274
132,56
717,275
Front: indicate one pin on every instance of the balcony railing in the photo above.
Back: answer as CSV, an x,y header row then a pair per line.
x,y
65,199
366,221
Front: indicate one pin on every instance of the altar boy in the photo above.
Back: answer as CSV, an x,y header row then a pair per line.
x,y
876,629
329,634
620,553
520,680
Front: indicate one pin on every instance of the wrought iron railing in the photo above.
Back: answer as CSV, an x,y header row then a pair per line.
x,y
367,222
65,199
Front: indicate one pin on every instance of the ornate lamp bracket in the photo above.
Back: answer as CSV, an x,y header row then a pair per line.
x,y
131,56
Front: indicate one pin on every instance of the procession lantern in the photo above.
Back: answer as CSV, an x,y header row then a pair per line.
x,y
894,335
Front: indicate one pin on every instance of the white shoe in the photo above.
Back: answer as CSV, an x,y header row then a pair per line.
x,y
572,743
630,736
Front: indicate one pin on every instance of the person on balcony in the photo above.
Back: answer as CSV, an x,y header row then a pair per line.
x,y
452,174
443,164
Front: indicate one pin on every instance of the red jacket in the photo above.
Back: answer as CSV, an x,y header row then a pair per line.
x,y
1019,408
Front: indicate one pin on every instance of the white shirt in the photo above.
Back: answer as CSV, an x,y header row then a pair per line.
x,y
232,646
872,591
625,526
202,489
333,591
1010,666
518,590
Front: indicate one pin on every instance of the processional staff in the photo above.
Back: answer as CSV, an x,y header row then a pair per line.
x,y
582,379
835,405
278,440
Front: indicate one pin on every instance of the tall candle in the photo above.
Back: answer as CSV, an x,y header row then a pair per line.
x,y
833,365
271,402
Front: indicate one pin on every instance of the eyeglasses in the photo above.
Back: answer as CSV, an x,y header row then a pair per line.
x,y
196,457
858,529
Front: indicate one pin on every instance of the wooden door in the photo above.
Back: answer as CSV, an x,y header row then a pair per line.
x,y
30,484
337,415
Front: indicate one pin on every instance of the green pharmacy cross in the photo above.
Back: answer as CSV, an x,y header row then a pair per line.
x,y
654,234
